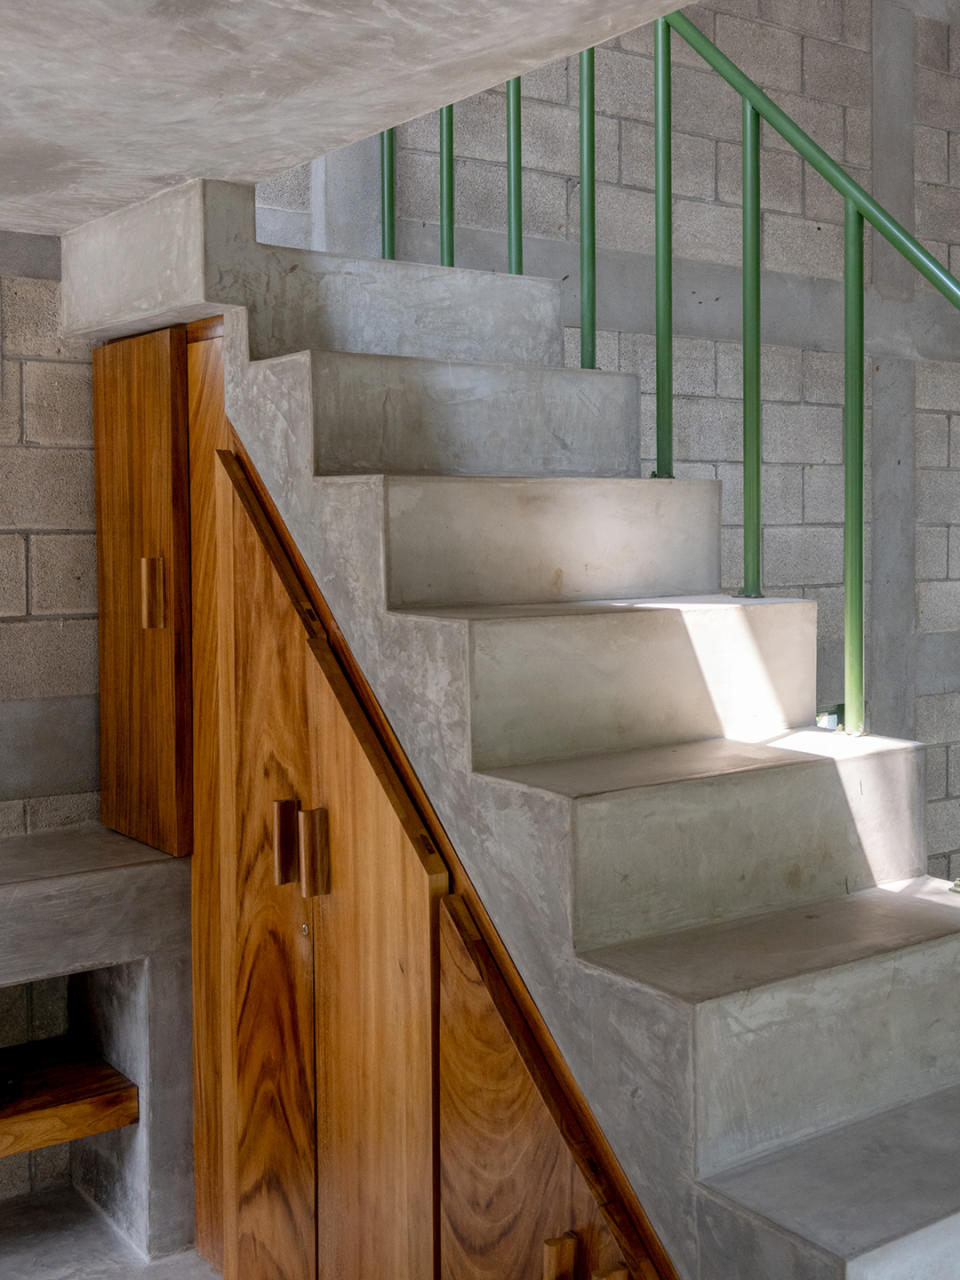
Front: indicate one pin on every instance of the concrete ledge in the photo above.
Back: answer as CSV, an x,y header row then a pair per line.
x,y
85,898
90,902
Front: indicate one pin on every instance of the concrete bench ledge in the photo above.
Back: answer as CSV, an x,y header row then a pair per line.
x,y
89,902
86,898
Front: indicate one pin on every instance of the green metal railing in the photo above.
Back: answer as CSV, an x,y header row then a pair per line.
x,y
514,180
859,208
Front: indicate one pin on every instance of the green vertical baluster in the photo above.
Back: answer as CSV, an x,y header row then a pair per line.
x,y
388,217
446,187
588,216
514,181
853,469
752,576
663,165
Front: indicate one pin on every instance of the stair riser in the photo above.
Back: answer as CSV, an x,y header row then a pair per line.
x,y
553,687
693,853
403,416
511,541
783,1062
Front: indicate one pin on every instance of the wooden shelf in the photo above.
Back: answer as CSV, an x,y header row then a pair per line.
x,y
62,1092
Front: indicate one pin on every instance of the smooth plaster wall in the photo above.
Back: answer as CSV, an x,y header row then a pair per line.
x,y
48,724
878,86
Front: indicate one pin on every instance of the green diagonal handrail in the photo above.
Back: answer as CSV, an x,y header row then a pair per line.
x,y
875,214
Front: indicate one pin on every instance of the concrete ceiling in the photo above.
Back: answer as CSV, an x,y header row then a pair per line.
x,y
104,102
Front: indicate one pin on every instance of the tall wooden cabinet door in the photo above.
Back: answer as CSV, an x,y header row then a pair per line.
x,y
268,1057
143,580
377,991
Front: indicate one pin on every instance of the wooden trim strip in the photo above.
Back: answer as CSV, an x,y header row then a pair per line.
x,y
628,1222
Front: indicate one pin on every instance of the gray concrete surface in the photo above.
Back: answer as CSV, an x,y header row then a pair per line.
x,y
571,679
406,416
89,902
59,1236
115,283
881,1193
480,540
680,853
108,102
48,746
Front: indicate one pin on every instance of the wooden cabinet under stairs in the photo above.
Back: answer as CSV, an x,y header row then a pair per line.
x,y
374,1092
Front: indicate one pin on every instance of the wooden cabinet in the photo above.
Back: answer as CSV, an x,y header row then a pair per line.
x,y
143,584
329,1150
372,1097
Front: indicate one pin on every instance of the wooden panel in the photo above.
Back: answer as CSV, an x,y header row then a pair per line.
x,y
270,1169
377,979
593,1153
209,431
142,512
400,785
509,1183
58,1093
377,985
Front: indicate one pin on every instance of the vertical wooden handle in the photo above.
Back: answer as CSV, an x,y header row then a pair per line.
x,y
560,1257
616,1273
286,857
152,604
314,852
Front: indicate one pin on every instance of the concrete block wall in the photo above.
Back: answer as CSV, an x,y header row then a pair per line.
x,y
48,630
48,637
815,57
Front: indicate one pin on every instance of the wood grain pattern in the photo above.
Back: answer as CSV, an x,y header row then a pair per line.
x,y
377,976
209,431
377,994
62,1093
142,471
400,785
560,1257
314,847
270,1159
629,1223
508,1179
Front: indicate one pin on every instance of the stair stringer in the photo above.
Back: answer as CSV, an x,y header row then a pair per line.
x,y
629,1047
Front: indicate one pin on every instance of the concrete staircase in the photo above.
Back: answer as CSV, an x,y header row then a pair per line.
x,y
721,911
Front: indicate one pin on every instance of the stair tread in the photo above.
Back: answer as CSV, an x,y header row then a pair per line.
x,y
712,961
856,1188
561,608
611,771
70,851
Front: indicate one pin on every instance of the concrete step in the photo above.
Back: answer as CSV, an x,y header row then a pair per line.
x,y
379,414
488,540
548,682
115,282
875,1200
702,832
813,1017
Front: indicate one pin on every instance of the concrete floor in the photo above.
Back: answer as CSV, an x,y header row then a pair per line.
x,y
59,1236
